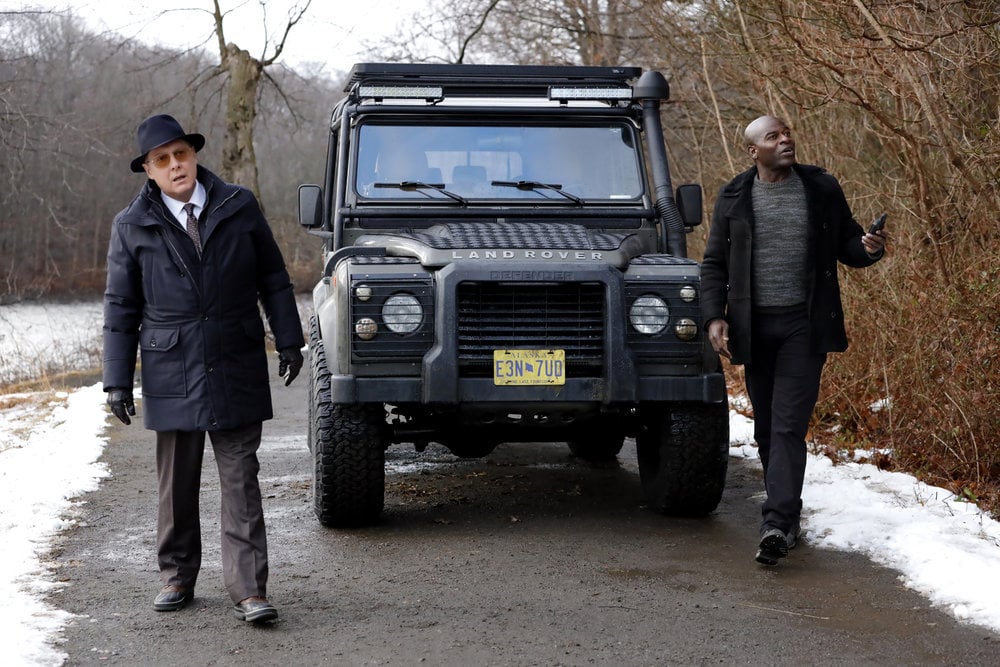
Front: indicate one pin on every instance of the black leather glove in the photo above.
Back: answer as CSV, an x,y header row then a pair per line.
x,y
121,404
289,363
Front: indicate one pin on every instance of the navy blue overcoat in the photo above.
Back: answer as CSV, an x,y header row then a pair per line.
x,y
196,321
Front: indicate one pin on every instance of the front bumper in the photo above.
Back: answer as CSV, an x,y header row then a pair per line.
x,y
709,388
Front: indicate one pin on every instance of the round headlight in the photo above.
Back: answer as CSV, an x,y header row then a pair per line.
x,y
366,328
688,293
686,329
649,314
402,313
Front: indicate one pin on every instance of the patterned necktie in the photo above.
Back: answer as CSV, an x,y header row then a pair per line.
x,y
192,227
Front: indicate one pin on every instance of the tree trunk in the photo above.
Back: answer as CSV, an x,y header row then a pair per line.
x,y
239,162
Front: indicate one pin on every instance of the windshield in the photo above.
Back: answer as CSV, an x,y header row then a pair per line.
x,y
460,162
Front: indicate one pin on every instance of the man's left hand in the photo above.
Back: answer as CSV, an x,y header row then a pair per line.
x,y
874,243
122,404
289,363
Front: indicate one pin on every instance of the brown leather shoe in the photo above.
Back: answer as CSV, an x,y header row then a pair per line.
x,y
172,598
255,610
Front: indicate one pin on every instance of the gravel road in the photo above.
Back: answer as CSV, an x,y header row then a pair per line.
x,y
527,557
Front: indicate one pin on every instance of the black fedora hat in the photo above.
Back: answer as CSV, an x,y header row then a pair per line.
x,y
158,130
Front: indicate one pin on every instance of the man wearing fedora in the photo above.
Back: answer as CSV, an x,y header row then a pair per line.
x,y
190,259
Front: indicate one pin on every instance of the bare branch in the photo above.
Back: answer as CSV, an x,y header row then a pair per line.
x,y
295,15
476,30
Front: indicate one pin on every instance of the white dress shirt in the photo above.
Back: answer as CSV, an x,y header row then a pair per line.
x,y
176,206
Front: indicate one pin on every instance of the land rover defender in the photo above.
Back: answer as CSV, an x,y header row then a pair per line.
x,y
504,260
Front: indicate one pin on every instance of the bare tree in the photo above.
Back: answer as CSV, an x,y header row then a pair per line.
x,y
585,32
244,73
66,140
445,31
62,134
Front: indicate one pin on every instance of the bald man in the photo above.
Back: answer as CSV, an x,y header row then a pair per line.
x,y
771,302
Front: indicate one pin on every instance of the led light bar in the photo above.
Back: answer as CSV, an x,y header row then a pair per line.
x,y
402,92
585,93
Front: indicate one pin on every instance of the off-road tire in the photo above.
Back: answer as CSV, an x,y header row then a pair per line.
x,y
683,453
311,430
348,443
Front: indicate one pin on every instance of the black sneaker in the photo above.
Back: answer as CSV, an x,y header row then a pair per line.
x,y
773,546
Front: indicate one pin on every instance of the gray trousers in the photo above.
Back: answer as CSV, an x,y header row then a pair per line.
x,y
783,381
179,457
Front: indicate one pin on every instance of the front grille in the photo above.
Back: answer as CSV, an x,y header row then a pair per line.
x,y
564,316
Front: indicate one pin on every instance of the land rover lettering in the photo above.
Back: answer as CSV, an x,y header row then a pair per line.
x,y
577,255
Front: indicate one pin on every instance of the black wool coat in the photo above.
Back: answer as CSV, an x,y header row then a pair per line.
x,y
727,267
196,322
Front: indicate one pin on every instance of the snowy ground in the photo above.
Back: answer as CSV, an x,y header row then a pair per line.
x,y
50,444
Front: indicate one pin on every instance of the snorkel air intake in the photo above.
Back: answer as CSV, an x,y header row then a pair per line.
x,y
651,88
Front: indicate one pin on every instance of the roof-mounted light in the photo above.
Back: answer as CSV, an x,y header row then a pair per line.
x,y
564,93
378,91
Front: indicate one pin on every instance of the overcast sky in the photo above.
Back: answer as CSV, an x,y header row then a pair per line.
x,y
335,32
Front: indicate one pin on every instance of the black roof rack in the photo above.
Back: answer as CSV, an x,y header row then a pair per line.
x,y
474,80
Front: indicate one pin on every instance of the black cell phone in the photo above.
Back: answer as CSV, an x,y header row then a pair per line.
x,y
878,223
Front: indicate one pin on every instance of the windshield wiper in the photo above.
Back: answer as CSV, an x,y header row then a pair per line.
x,y
410,186
538,185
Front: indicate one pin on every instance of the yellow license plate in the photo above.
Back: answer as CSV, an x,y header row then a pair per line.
x,y
545,367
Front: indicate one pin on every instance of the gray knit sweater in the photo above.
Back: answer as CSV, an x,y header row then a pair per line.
x,y
780,243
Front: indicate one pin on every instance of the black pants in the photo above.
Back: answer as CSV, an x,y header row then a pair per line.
x,y
244,542
783,382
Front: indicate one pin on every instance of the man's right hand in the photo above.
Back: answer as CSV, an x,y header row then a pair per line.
x,y
121,404
718,336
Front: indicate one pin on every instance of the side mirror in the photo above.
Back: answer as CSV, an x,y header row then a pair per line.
x,y
689,204
310,206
